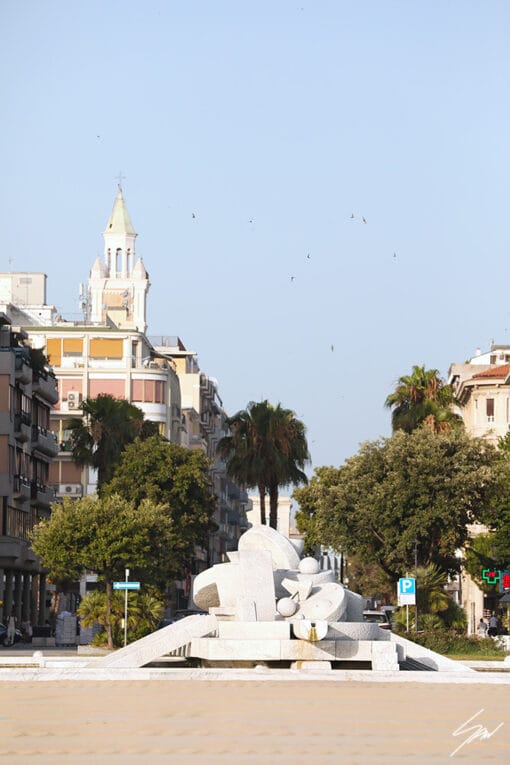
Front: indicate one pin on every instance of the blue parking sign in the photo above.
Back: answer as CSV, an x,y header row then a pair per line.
x,y
407,586
407,591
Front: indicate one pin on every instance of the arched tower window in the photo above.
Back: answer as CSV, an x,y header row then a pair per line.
x,y
118,261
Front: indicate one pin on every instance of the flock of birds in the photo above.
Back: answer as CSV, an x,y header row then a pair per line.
x,y
309,255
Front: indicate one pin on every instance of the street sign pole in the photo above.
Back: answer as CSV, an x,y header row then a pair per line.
x,y
407,611
125,608
407,595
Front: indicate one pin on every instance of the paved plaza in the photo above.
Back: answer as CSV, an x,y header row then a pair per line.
x,y
278,717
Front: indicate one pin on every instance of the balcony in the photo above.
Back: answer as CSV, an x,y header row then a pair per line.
x,y
22,368
21,487
22,426
41,495
44,386
44,441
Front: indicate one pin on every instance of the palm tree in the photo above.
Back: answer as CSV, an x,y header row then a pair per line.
x,y
267,449
108,425
422,398
290,454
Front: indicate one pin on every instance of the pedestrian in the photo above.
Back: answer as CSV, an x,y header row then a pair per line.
x,y
11,630
493,625
482,628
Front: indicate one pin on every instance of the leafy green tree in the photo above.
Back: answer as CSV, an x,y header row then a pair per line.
x,y
496,548
107,426
369,580
172,475
267,449
480,553
413,488
106,536
422,398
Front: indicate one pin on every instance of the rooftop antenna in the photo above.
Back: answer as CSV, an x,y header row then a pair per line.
x,y
84,296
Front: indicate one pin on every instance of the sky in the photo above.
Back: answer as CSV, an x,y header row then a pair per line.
x,y
248,136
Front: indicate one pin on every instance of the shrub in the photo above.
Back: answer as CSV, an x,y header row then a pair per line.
x,y
145,611
450,642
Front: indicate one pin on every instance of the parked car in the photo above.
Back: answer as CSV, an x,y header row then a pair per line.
x,y
3,635
382,618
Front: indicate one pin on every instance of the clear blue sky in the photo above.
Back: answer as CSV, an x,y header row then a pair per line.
x,y
291,115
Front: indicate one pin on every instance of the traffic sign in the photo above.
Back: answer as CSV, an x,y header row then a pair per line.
x,y
407,591
126,585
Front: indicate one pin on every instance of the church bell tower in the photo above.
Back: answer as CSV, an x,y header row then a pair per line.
x,y
118,284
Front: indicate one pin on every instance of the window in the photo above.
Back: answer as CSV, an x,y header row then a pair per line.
x,y
148,391
73,346
106,348
489,408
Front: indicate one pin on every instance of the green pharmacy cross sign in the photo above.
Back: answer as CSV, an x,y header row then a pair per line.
x,y
491,575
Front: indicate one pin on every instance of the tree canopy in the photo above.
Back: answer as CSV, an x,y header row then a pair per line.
x,y
267,449
107,536
172,475
493,548
418,487
423,398
107,426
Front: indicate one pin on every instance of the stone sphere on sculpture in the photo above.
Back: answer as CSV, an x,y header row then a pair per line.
x,y
309,566
286,607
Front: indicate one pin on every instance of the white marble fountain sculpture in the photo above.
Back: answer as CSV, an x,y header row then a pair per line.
x,y
272,606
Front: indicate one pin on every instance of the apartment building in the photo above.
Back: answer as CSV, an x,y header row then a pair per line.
x,y
203,424
482,386
27,446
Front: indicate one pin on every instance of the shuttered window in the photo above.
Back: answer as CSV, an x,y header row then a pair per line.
x,y
73,345
104,348
54,351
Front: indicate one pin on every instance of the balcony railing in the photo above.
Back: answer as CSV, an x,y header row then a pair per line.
x,y
44,385
21,486
41,494
44,440
22,426
23,370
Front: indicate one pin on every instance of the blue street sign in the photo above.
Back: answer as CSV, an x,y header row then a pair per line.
x,y
407,586
126,585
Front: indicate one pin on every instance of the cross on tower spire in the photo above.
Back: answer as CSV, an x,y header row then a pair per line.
x,y
120,178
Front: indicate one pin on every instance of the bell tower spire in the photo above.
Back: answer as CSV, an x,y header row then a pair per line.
x,y
119,239
118,288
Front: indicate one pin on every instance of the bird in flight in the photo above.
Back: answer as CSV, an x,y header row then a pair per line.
x,y
364,220
394,254
332,348
308,256
352,216
292,278
193,215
